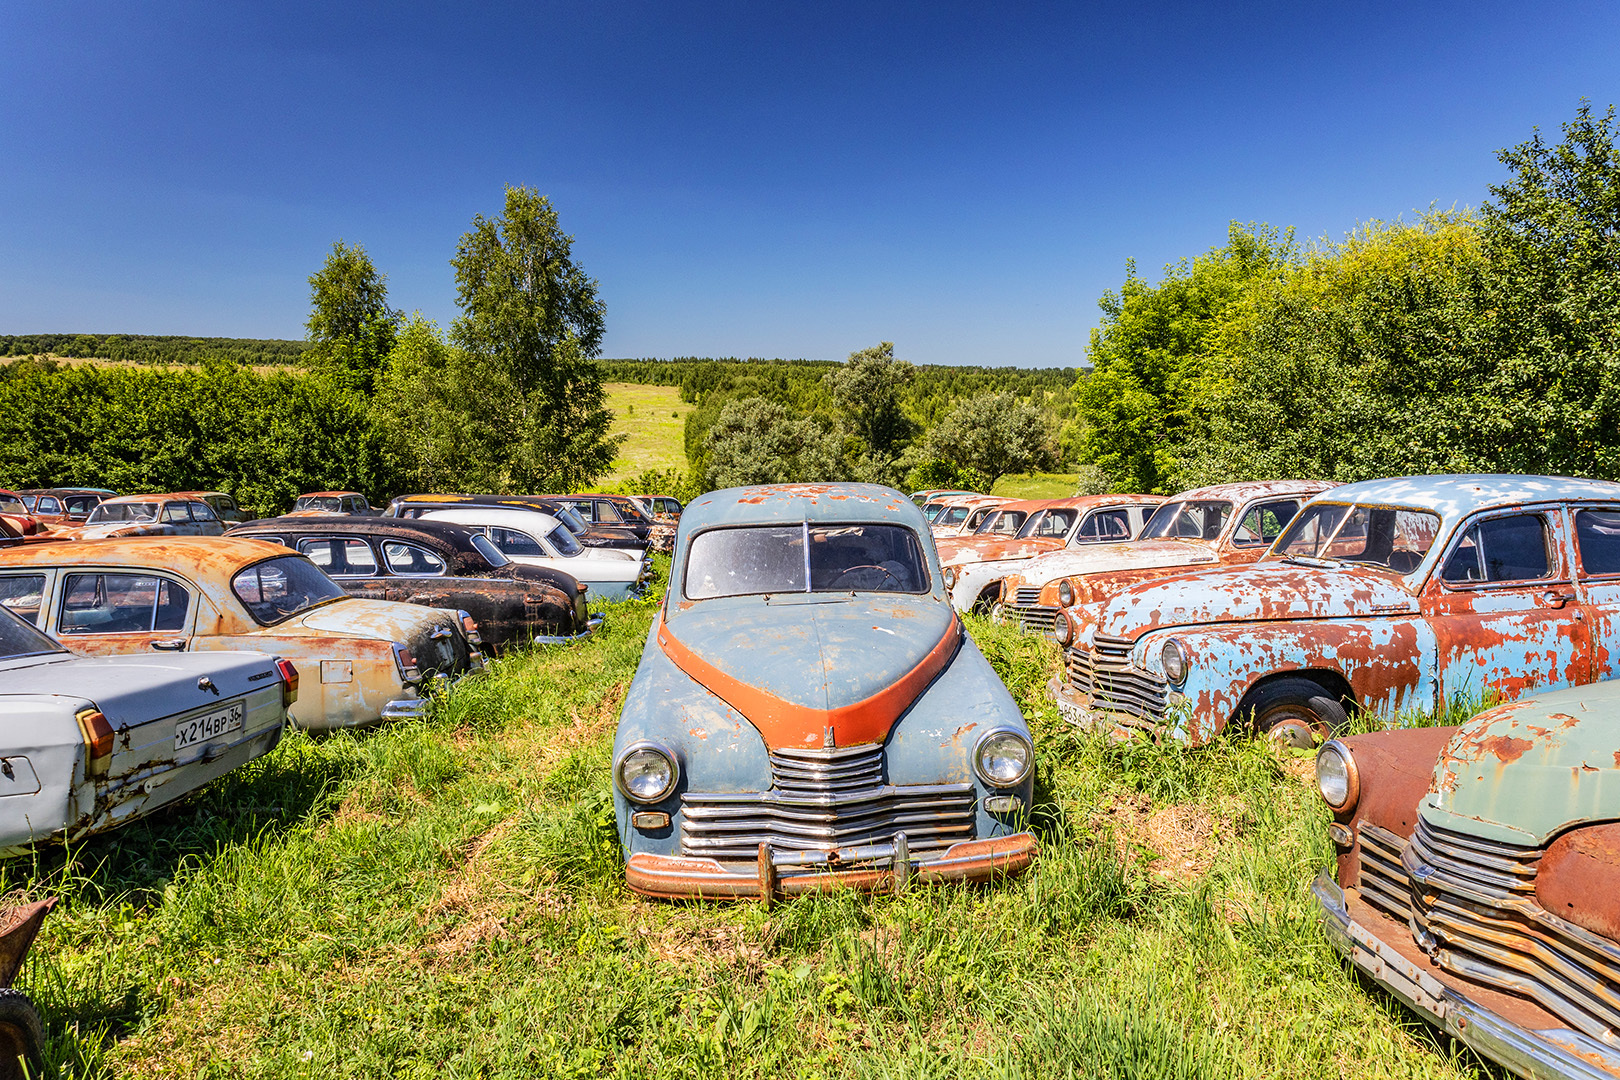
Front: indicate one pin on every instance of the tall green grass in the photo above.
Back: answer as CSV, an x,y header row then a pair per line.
x,y
445,898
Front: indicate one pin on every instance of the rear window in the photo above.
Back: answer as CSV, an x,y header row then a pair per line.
x,y
805,558
488,550
17,638
1597,534
276,590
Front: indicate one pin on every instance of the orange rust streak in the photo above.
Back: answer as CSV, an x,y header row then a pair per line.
x,y
783,723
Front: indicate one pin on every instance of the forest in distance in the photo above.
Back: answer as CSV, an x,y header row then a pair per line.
x,y
1475,340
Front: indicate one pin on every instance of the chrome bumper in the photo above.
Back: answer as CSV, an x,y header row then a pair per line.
x,y
871,867
592,625
1534,1053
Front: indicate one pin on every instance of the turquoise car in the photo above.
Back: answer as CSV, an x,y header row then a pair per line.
x,y
808,711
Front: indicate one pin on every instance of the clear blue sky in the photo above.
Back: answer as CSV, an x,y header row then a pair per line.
x,y
763,179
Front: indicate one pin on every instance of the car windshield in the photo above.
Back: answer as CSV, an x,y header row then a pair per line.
x,y
327,503
1049,523
931,510
17,638
1005,523
1379,537
81,504
1193,520
11,505
276,590
563,542
485,547
123,511
570,517
805,558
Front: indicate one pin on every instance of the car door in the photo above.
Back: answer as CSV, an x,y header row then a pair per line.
x,y
1596,536
27,593
115,612
1503,607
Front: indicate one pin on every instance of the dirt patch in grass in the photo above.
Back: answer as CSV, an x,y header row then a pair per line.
x,y
1178,841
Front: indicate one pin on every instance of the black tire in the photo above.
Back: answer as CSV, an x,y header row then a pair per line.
x,y
1295,712
21,1036
988,600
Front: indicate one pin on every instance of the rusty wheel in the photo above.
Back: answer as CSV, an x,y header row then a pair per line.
x,y
1295,712
21,1034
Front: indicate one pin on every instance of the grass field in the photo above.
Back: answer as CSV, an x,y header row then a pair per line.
x,y
653,421
444,898
1036,486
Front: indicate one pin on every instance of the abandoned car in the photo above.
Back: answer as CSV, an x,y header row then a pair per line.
x,y
64,505
1224,525
1385,595
974,566
440,565
362,660
586,533
223,505
93,742
334,502
535,539
963,516
610,510
808,711
1478,875
147,515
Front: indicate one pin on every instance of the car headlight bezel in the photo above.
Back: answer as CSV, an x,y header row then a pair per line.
x,y
1346,781
1062,629
1001,736
655,750
1173,658
1065,593
950,577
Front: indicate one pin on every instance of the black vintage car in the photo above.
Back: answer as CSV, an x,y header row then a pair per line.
x,y
438,564
587,533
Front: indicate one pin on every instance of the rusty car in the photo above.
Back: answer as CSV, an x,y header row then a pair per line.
x,y
334,502
222,503
809,713
1386,595
146,515
438,564
610,510
63,505
962,516
1223,525
1477,876
976,565
535,539
586,534
665,514
14,512
363,660
94,742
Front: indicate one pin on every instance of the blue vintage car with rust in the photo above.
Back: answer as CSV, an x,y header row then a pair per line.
x,y
1478,876
1385,595
809,713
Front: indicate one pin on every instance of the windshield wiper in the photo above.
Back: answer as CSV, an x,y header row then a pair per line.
x,y
1321,564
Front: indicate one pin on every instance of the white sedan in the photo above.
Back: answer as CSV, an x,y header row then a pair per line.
x,y
528,536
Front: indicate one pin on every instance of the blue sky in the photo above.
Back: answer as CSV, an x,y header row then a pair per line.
x,y
767,179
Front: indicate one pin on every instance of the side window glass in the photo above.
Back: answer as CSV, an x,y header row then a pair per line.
x,y
340,558
319,552
402,558
1597,535
203,512
1107,525
121,604
513,542
49,505
1512,548
175,513
587,511
608,512
22,595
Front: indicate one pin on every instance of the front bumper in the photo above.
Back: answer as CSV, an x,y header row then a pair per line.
x,y
871,867
1079,710
592,625
1462,1012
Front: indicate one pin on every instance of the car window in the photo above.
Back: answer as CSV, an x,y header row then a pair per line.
x,y
607,512
17,638
514,542
411,559
324,503
931,510
804,558
1007,522
129,511
1056,523
121,604
201,511
1509,548
340,556
1106,525
1264,523
585,510
953,516
562,541
1597,534
277,589
48,505
22,594
81,504
1200,520
492,554
29,501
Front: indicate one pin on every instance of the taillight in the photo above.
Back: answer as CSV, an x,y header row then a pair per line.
x,y
470,626
98,741
405,661
289,682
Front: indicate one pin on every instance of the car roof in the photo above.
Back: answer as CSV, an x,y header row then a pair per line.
x,y
500,517
196,494
205,555
771,504
1462,493
1081,502
187,495
445,533
329,494
1254,489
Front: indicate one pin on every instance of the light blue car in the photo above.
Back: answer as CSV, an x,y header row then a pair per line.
x,y
809,711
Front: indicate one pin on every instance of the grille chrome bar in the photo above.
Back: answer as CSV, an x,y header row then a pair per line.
x,y
1382,879
1106,675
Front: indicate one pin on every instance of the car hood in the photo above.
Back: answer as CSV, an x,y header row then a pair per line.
x,y
1105,558
1522,773
984,549
136,689
359,618
807,668
1258,592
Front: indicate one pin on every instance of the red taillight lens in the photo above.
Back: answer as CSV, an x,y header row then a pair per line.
x,y
98,741
289,682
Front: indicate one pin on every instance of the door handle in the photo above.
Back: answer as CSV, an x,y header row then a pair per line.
x,y
170,644
1554,598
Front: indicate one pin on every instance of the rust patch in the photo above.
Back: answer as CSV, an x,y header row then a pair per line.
x,y
1506,748
1579,878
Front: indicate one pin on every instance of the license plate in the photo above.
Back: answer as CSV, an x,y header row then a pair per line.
x,y
200,729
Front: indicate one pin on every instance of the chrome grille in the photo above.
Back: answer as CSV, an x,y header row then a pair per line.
x,y
1381,877
1105,675
1026,612
825,799
1473,909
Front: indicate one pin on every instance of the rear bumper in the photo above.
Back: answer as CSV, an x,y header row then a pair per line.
x,y
1551,1051
592,625
871,868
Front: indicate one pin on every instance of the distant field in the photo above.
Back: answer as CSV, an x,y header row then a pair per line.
x,y
653,419
1037,486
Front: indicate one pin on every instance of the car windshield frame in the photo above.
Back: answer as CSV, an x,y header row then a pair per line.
x,y
251,606
1172,511
17,635
809,533
1349,515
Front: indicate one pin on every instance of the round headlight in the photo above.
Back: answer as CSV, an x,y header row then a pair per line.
x,y
1062,628
1174,658
1003,757
950,577
1336,775
1065,593
646,772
